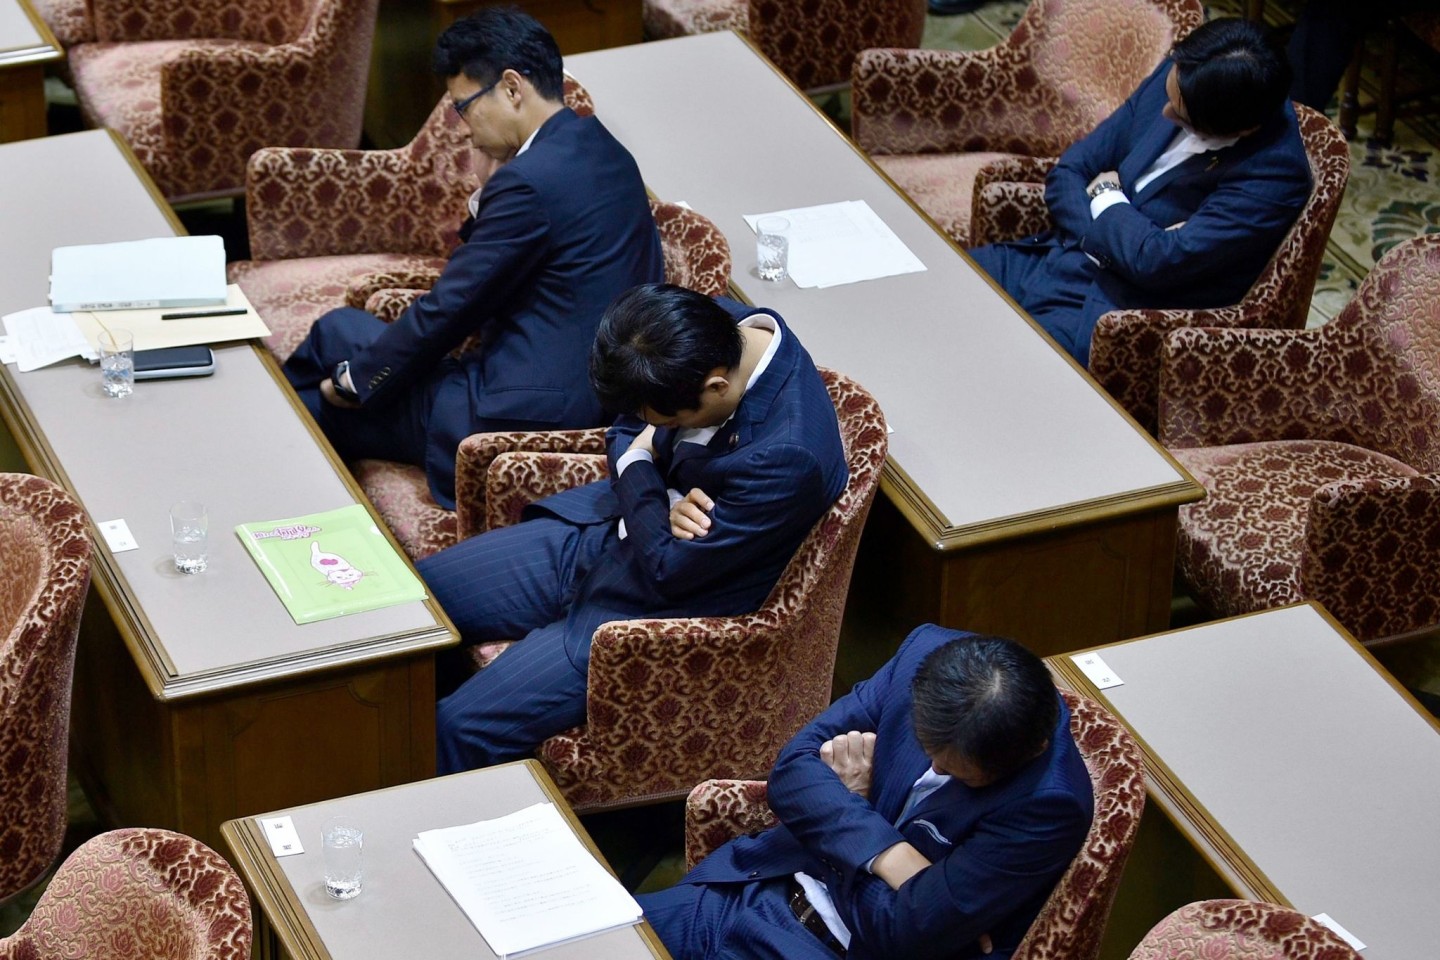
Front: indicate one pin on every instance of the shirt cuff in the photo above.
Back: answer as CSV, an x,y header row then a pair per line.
x,y
631,456
1104,200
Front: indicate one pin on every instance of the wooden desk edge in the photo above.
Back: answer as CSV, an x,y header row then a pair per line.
x,y
299,936
50,49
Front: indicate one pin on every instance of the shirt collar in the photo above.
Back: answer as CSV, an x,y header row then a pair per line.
x,y
761,321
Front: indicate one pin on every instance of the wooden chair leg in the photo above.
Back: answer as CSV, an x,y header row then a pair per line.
x,y
1385,104
1350,92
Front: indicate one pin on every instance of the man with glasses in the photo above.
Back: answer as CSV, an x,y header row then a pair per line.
x,y
554,235
1178,199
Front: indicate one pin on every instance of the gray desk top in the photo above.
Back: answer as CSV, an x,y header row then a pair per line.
x,y
402,904
1277,729
995,429
24,38
232,441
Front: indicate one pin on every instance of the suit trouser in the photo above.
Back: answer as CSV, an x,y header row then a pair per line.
x,y
1050,284
517,581
731,920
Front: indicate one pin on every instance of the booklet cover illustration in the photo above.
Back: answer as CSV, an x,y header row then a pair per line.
x,y
330,564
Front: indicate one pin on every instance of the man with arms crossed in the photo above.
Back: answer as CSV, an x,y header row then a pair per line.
x,y
1178,199
554,235
928,813
728,453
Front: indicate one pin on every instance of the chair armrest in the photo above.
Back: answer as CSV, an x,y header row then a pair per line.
x,y
478,451
386,303
931,101
518,478
1005,210
720,810
408,284
1223,386
1371,554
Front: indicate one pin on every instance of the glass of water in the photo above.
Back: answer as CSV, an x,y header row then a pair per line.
x,y
342,842
189,530
772,247
117,362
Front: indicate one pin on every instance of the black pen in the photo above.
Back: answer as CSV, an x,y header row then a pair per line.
x,y
204,313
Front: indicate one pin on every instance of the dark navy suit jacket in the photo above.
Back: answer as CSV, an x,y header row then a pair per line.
x,y
772,470
1236,205
562,229
996,852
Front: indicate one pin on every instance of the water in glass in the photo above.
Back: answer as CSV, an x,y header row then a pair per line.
x,y
119,372
772,250
342,844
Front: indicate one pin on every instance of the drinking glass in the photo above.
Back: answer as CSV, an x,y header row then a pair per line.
x,y
189,530
772,247
117,362
342,842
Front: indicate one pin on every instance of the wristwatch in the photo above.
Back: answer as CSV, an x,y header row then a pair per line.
x,y
339,378
1103,186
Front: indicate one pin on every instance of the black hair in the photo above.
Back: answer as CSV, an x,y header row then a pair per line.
x,y
1232,75
484,45
988,699
656,346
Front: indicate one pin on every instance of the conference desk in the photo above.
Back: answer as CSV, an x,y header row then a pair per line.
x,y
1011,475
402,911
26,45
1294,765
197,698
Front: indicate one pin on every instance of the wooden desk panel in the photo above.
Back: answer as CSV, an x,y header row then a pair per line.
x,y
26,45
402,907
197,698
1294,767
1012,476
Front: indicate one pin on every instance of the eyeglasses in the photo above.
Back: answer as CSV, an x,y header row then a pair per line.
x,y
462,105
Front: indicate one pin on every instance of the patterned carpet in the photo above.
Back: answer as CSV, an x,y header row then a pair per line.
x,y
1394,191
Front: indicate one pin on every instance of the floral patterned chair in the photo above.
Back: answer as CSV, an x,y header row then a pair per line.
x,y
1125,347
812,43
44,573
196,87
1241,930
138,894
1072,920
1320,455
69,20
674,702
696,255
933,119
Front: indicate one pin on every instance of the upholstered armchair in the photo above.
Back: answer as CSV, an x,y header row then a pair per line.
x,y
1241,930
69,20
1125,347
933,119
1073,919
44,573
696,255
138,894
1320,455
812,43
331,228
674,702
196,87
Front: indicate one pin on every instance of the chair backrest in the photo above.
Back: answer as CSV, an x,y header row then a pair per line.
x,y
1241,930
1072,920
1281,294
696,253
815,43
259,21
1384,346
44,573
139,894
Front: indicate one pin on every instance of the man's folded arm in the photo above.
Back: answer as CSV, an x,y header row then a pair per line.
x,y
766,504
1103,149
509,239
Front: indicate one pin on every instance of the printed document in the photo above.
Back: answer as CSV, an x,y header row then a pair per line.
x,y
526,881
39,337
844,242
136,274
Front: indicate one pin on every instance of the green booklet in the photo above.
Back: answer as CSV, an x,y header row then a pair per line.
x,y
330,564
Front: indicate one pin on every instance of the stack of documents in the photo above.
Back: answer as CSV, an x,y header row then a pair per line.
x,y
525,881
845,242
38,337
136,274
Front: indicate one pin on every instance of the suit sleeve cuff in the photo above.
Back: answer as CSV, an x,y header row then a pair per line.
x,y
1105,200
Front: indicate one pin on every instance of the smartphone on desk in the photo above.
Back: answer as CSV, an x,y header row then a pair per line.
x,y
174,362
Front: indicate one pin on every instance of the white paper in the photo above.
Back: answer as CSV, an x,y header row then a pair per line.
x,y
284,838
525,881
159,272
1096,670
118,536
1324,920
41,337
844,242
153,333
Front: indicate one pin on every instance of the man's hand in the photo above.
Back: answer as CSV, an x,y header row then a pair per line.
x,y
644,440
852,757
1110,175
328,394
690,516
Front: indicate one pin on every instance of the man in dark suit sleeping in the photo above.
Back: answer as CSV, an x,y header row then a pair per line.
x,y
1178,199
928,813
554,235
728,452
